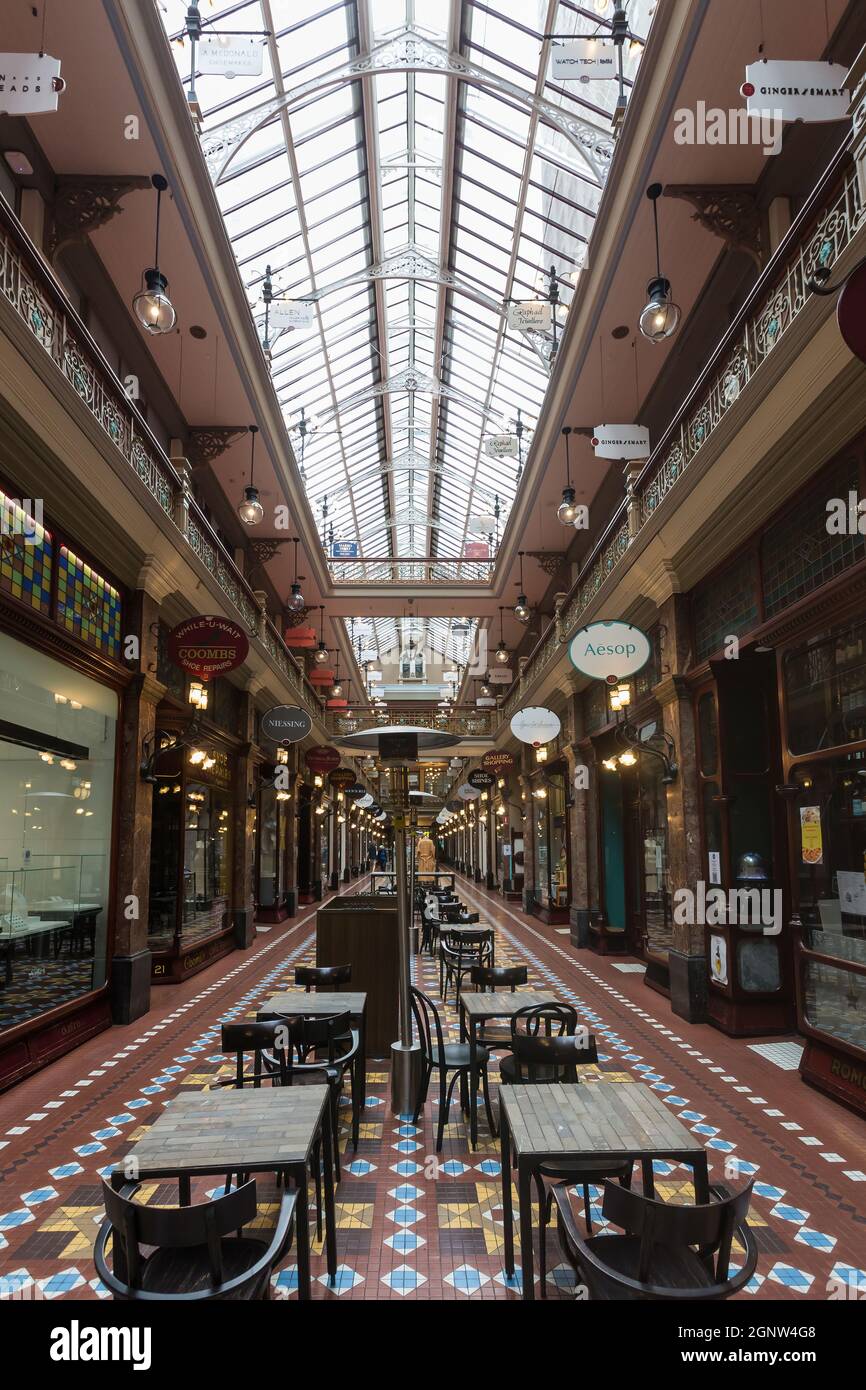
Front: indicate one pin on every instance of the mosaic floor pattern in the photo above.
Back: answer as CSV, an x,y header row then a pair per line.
x,y
412,1224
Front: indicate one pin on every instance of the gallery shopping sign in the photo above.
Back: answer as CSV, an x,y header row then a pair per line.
x,y
207,647
796,91
610,651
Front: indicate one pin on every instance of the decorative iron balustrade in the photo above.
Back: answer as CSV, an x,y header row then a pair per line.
x,y
29,288
779,298
472,724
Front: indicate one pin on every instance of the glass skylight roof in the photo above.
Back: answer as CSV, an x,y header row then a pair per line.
x,y
462,196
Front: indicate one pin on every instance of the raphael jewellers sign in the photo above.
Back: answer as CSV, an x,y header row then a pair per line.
x,y
206,647
610,651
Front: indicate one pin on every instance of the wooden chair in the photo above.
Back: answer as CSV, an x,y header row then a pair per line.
x,y
444,1058
267,1044
194,1256
493,978
324,1040
667,1251
548,1057
322,976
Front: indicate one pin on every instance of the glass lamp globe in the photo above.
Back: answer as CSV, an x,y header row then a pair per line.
x,y
502,655
296,599
251,510
661,317
521,609
336,690
152,306
566,512
321,655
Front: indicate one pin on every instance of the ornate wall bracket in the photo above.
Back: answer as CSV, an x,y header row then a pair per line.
x,y
83,202
728,210
207,443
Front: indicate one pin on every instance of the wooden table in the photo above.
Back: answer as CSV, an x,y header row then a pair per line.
x,y
268,1130
294,1003
479,1008
595,1120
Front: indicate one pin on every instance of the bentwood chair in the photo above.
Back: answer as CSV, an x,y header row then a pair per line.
x,y
443,1058
317,1052
192,1254
322,976
666,1251
495,978
459,953
546,1048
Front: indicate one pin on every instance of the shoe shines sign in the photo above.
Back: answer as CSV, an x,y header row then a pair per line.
x,y
610,651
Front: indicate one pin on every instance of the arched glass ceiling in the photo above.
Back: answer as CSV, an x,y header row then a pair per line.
x,y
472,179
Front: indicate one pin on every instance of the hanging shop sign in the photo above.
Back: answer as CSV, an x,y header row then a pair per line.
x,y
481,779
355,791
207,647
365,802
322,759
583,59
467,792
292,313
453,807
530,314
535,725
621,442
29,83
610,651
501,446
501,676
230,55
344,550
498,762
285,724
341,778
796,91
851,312
485,702
476,550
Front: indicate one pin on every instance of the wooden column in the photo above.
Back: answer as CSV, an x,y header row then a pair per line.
x,y
687,957
290,818
131,960
242,908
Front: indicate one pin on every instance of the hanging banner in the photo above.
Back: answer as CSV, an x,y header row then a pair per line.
x,y
230,55
29,83
501,446
609,651
535,725
796,91
285,724
292,313
583,59
206,647
322,759
530,314
498,762
621,442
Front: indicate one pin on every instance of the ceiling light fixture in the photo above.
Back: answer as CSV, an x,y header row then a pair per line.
x,y
152,306
521,607
502,656
295,602
566,512
322,651
251,510
660,318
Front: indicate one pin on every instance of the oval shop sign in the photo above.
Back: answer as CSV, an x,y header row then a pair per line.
x,y
610,651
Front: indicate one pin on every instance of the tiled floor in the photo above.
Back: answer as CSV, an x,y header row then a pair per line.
x,y
412,1225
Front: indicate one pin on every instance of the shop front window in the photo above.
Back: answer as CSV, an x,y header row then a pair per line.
x,y
551,847
825,691
654,841
268,829
57,758
190,865
831,857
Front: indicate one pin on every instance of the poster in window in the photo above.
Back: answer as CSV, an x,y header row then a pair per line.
x,y
719,960
811,842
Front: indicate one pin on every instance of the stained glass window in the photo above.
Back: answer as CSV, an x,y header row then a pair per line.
x,y
26,557
87,605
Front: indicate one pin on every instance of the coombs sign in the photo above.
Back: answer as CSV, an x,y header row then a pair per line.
x,y
610,651
207,647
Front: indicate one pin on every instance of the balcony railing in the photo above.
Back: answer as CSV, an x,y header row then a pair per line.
x,y
825,228
28,286
414,570
469,722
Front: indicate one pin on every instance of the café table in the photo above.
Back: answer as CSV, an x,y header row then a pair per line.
x,y
270,1130
596,1120
295,1003
479,1008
